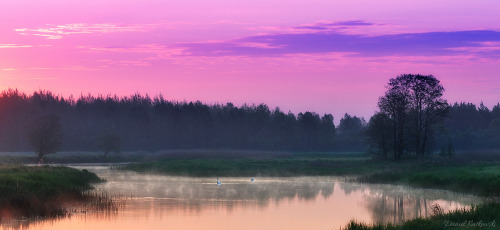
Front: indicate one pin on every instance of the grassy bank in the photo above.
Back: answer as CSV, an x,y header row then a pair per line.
x,y
483,216
40,190
70,157
481,179
249,165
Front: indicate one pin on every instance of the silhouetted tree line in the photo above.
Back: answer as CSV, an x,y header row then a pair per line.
x,y
113,124
470,127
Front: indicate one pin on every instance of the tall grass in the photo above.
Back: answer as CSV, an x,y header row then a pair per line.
x,y
482,216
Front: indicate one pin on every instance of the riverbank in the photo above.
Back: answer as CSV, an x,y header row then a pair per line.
x,y
16,158
480,179
482,216
273,164
41,191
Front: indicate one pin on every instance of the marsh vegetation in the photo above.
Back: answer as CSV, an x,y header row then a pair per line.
x,y
47,191
482,216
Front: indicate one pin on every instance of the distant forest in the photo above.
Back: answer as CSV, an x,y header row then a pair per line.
x,y
142,123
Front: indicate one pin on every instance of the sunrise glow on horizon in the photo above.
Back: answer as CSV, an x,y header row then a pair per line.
x,y
322,56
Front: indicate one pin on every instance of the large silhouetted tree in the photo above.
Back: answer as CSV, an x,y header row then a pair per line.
x,y
45,135
427,107
415,106
395,104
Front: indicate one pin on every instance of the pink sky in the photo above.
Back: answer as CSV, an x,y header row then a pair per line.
x,y
322,56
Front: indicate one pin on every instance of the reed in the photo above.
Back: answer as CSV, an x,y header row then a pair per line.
x,y
482,216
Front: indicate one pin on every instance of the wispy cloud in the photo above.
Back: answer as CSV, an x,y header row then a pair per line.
x,y
479,42
490,46
144,48
260,45
149,52
357,26
135,63
337,25
8,46
58,31
39,68
35,78
78,67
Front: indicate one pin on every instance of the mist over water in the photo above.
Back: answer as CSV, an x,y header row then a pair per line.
x,y
167,202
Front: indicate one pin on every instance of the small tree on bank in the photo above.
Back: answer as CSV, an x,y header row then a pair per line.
x,y
45,135
109,143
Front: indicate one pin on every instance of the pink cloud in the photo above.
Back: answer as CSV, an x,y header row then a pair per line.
x,y
145,48
79,67
39,68
58,31
135,63
8,46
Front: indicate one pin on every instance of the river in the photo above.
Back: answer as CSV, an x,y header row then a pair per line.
x,y
171,202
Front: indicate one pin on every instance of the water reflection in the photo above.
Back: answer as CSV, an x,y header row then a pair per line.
x,y
163,202
396,204
195,193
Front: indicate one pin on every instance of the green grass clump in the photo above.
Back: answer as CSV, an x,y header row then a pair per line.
x,y
322,164
37,190
482,179
483,216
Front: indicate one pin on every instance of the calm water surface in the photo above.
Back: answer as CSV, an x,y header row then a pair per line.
x,y
166,202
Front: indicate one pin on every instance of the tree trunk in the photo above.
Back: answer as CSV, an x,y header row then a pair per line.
x,y
426,128
396,147
40,157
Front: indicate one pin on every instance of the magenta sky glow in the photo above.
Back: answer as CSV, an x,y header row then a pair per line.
x,y
323,56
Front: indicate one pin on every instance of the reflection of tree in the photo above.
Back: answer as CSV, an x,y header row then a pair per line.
x,y
327,191
74,210
395,204
14,224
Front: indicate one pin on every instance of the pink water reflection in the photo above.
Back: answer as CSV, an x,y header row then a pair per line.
x,y
161,202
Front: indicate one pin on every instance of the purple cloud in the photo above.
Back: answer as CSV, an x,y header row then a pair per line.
x,y
311,27
349,23
409,44
334,25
